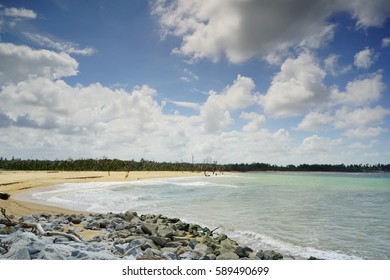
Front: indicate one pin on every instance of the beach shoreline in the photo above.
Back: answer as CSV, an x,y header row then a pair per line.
x,y
17,182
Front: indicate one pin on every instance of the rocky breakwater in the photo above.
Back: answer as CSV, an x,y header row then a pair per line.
x,y
117,236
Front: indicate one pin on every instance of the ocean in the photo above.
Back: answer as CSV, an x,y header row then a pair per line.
x,y
300,214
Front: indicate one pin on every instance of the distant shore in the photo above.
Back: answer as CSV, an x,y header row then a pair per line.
x,y
15,182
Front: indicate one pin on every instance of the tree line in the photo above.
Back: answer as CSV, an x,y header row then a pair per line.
x,y
106,164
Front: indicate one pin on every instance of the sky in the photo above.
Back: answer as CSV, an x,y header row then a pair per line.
x,y
232,81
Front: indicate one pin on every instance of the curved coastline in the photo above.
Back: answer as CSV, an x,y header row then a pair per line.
x,y
162,237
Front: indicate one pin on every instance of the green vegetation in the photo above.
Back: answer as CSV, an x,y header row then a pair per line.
x,y
105,164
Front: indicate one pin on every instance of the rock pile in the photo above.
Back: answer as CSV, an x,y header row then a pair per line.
x,y
120,236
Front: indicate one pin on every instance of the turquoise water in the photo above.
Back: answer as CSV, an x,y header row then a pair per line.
x,y
326,215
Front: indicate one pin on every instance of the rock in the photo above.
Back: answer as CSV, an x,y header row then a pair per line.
x,y
4,196
58,252
193,243
19,254
7,230
229,244
191,255
129,215
222,237
158,240
173,244
168,256
203,249
240,252
228,256
165,232
149,229
269,255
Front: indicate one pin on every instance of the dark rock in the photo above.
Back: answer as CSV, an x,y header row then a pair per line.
x,y
269,255
158,240
193,243
221,237
240,252
149,229
4,196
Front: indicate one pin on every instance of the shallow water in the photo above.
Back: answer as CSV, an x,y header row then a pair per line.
x,y
326,215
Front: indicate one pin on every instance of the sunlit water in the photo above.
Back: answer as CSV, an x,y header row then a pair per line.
x,y
331,216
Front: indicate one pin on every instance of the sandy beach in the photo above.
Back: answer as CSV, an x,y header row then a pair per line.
x,y
15,182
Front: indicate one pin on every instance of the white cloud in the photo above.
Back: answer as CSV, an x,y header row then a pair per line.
x,y
333,67
386,42
184,104
20,13
189,76
360,92
361,117
21,63
365,132
296,88
314,121
215,112
255,121
365,58
240,30
318,144
67,47
368,13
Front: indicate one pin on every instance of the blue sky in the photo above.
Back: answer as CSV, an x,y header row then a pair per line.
x,y
236,81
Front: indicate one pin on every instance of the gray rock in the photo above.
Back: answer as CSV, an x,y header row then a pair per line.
x,y
203,249
173,244
158,240
228,256
18,254
191,255
193,243
165,232
149,229
121,248
55,252
129,215
169,256
269,255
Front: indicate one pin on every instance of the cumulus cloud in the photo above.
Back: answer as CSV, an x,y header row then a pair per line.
x,y
215,112
21,63
365,58
296,88
318,144
361,117
364,132
240,30
360,92
255,121
67,47
314,121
